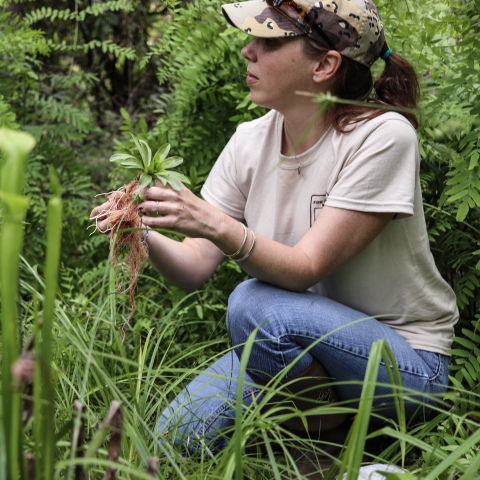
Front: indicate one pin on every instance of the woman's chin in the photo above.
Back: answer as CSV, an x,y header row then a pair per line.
x,y
260,102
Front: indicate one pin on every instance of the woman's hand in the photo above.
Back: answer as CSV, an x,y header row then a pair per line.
x,y
181,212
190,263
99,214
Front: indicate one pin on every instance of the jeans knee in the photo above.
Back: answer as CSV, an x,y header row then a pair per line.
x,y
243,310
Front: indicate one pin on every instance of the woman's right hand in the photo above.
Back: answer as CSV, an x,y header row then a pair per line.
x,y
99,214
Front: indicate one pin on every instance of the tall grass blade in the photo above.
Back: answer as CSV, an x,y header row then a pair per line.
x,y
235,462
78,437
352,458
397,391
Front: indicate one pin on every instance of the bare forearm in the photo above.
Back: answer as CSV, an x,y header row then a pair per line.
x,y
187,265
336,236
269,261
282,266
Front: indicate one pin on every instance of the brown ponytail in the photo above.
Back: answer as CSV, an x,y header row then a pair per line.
x,y
396,87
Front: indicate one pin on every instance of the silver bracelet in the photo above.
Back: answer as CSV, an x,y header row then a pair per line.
x,y
144,237
249,252
242,245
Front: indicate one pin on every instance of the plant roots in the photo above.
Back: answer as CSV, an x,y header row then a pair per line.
x,y
125,231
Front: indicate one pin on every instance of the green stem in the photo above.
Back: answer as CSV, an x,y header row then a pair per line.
x,y
37,381
44,349
10,247
15,146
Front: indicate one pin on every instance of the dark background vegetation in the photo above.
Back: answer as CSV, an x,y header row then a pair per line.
x,y
78,75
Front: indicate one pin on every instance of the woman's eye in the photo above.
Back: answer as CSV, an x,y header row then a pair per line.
x,y
271,42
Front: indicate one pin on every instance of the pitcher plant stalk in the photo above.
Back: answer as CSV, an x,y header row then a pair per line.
x,y
15,147
44,413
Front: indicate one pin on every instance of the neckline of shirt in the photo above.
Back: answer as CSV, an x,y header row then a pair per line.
x,y
304,159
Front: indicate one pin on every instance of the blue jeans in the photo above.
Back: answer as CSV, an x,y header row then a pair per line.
x,y
288,323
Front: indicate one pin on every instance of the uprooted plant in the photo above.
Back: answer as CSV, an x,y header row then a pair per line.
x,y
125,227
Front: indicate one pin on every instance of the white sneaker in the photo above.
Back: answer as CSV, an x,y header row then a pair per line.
x,y
374,472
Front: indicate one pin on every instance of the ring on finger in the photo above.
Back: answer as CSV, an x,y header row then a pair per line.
x,y
157,208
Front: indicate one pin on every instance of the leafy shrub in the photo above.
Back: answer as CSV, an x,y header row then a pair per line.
x,y
206,96
62,69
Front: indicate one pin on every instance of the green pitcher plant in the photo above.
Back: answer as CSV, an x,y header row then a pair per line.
x,y
15,147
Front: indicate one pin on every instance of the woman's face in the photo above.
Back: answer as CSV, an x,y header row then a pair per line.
x,y
277,68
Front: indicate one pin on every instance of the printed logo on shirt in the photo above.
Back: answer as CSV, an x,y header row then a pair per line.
x,y
316,204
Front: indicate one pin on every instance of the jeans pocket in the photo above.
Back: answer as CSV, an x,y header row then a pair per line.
x,y
437,370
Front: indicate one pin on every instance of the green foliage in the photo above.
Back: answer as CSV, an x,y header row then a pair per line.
x,y
206,94
466,368
20,47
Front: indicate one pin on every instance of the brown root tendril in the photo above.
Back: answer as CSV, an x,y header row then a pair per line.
x,y
125,233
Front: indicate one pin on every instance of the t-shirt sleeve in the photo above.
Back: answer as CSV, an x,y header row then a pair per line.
x,y
222,188
379,173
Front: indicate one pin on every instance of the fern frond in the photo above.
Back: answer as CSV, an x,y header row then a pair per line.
x,y
110,47
94,10
105,46
466,366
60,119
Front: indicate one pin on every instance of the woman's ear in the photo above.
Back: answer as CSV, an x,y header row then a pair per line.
x,y
326,68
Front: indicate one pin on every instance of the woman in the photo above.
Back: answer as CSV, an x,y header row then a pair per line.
x,y
336,240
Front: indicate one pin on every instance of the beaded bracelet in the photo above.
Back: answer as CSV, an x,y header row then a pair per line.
x,y
242,245
249,252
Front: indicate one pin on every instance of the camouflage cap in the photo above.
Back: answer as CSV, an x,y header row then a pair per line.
x,y
351,27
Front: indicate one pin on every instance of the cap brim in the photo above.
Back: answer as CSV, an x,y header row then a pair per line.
x,y
259,19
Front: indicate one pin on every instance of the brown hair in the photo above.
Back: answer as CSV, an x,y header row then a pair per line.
x,y
397,86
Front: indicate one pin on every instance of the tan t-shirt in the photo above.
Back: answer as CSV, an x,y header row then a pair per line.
x,y
375,168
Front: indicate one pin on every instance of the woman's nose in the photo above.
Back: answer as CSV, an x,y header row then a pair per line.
x,y
248,51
